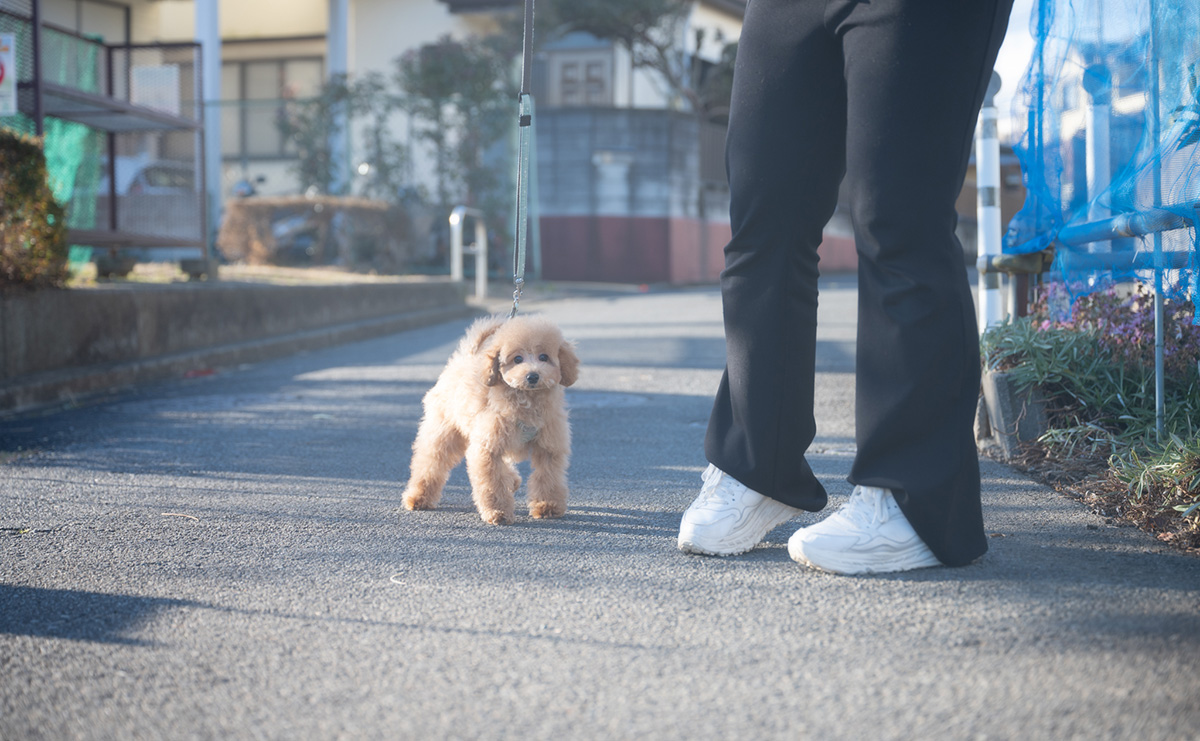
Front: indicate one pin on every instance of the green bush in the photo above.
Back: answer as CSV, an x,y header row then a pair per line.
x,y
33,228
1094,366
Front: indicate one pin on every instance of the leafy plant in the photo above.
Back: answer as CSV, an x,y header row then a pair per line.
x,y
460,96
33,242
463,97
309,125
1160,487
1093,362
386,157
1096,364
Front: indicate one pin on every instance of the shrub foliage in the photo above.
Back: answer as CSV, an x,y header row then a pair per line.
x,y
1094,364
33,230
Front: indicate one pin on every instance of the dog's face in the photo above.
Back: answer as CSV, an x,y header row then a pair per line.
x,y
530,354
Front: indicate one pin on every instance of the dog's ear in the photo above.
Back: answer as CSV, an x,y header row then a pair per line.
x,y
491,373
568,364
483,330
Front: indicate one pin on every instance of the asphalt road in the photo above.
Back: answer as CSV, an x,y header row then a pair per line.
x,y
224,556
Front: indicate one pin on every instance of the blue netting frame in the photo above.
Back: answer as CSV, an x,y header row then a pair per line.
x,y
1132,63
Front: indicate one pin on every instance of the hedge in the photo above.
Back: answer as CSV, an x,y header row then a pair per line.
x,y
33,227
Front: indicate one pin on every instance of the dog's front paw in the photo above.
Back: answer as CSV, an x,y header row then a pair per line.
x,y
496,517
547,510
415,500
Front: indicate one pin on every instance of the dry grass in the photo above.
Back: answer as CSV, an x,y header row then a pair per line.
x,y
1107,490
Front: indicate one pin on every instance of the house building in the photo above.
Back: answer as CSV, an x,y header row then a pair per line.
x,y
630,179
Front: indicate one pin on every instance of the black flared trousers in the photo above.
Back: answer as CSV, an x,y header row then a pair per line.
x,y
885,94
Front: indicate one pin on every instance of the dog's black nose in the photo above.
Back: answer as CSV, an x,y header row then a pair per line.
x,y
532,379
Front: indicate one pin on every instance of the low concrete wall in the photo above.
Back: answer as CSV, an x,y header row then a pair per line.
x,y
59,345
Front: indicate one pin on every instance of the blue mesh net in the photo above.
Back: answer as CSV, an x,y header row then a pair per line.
x,y
1109,148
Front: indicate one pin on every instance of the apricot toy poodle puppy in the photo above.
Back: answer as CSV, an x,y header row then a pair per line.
x,y
498,401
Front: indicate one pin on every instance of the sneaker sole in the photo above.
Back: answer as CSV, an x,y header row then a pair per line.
x,y
692,544
832,564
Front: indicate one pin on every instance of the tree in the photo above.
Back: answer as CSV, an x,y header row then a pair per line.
x,y
308,125
387,158
462,95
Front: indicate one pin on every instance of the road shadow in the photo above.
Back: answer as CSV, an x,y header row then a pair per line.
x,y
77,615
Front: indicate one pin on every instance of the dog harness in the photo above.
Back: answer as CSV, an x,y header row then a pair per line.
x,y
528,432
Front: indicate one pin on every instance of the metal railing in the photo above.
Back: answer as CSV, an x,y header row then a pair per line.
x,y
479,248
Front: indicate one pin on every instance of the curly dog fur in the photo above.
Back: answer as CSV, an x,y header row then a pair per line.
x,y
498,401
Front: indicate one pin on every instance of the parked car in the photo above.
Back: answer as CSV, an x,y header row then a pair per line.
x,y
162,177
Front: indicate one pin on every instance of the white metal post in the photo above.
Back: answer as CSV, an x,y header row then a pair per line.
x,y
1098,145
208,33
479,248
988,228
338,65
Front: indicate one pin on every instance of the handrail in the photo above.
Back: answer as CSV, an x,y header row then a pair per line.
x,y
478,248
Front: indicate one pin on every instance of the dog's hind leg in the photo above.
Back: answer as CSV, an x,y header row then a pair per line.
x,y
548,482
436,451
494,483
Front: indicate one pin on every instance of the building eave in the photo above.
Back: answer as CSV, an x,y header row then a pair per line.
x,y
733,7
480,6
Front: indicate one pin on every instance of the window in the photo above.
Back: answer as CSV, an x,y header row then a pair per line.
x,y
570,92
255,93
581,78
596,83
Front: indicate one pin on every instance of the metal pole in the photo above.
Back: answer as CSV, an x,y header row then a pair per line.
x,y
338,56
110,140
987,188
209,251
1097,81
456,243
208,33
481,259
1159,381
36,23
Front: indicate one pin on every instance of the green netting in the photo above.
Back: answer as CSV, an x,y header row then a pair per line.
x,y
1110,145
72,149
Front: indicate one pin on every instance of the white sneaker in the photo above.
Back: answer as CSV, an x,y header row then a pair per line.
x,y
728,518
868,535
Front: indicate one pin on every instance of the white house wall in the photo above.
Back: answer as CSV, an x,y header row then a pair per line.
x,y
381,30
716,25
622,78
647,89
175,20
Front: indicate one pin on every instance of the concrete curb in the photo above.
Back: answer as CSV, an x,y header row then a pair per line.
x,y
284,320
1007,417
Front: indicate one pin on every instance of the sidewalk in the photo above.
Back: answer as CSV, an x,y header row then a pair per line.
x,y
225,556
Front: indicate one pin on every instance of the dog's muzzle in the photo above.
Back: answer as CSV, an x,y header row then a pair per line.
x,y
532,379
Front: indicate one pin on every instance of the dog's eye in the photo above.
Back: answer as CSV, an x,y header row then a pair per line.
x,y
544,358
517,360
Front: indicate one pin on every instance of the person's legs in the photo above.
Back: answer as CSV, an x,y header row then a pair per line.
x,y
916,72
785,158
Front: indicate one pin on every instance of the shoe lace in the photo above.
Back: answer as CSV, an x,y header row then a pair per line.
x,y
720,488
865,507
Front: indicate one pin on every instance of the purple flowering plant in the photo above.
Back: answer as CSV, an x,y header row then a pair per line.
x,y
1093,362
1123,320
